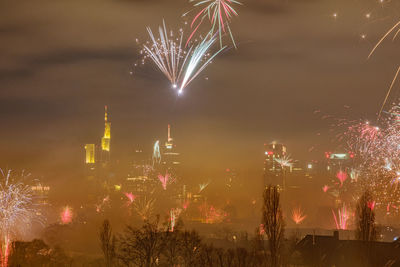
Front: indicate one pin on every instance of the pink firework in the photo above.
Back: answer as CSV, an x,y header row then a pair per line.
x,y
341,219
164,180
66,215
325,188
131,197
342,176
298,215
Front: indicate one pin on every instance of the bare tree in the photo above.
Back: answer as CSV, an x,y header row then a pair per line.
x,y
258,248
107,243
191,243
366,228
273,223
173,245
141,247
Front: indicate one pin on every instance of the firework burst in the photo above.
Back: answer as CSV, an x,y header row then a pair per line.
x,y
298,215
218,12
16,212
179,64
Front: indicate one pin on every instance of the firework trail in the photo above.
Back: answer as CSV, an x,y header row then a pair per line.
x,y
156,153
391,30
66,215
180,65
218,12
16,212
342,218
203,186
174,215
298,215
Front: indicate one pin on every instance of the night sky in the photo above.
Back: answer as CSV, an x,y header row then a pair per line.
x,y
62,61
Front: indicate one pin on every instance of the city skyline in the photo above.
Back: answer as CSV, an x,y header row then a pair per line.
x,y
141,105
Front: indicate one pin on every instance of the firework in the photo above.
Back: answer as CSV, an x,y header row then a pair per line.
x,y
218,12
203,186
156,153
16,212
342,218
144,207
298,215
100,206
164,180
284,161
66,215
179,64
342,177
131,197
395,29
174,215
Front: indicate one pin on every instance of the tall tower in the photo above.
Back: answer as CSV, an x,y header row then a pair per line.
x,y
90,155
170,158
105,140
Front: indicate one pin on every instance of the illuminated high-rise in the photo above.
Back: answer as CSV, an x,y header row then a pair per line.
x,y
170,158
90,154
105,140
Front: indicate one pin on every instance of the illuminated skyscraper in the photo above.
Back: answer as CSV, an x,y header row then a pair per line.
x,y
105,140
170,158
90,154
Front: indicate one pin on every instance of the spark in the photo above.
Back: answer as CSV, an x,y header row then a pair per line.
x,y
298,215
219,13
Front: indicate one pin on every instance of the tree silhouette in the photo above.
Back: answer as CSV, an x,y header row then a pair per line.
x,y
273,223
107,243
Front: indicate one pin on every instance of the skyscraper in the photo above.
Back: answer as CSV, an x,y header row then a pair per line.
x,y
170,158
90,154
105,140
